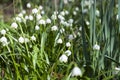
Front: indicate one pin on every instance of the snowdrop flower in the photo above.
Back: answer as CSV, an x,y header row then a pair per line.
x,y
62,13
42,22
77,9
68,52
37,27
33,38
87,22
96,47
74,13
66,12
20,15
117,16
68,44
30,17
65,1
42,12
23,12
59,41
18,19
80,28
28,5
14,25
54,28
70,21
26,17
85,11
26,40
3,32
61,17
38,16
35,10
40,7
97,12
3,40
53,17
48,21
76,72
21,40
117,69
63,58
62,30
70,37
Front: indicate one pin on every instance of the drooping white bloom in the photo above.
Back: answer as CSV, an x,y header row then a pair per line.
x,y
42,22
42,12
59,41
77,9
33,38
65,1
66,12
48,21
70,37
80,28
62,30
21,40
3,40
26,40
40,7
54,17
61,17
38,16
62,13
26,17
54,28
70,21
14,25
87,22
117,70
35,11
23,12
68,52
28,5
76,72
18,19
3,31
97,12
30,17
96,47
37,27
74,13
20,15
63,58
68,44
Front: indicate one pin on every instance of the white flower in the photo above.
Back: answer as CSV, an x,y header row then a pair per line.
x,y
48,21
117,70
59,41
97,12
26,17
74,13
35,10
70,21
66,12
18,19
71,37
96,47
40,7
21,40
3,40
77,9
68,44
37,27
65,1
20,15
33,38
3,32
42,12
68,52
54,17
87,22
63,58
80,28
61,17
62,13
26,40
42,22
54,28
62,30
14,25
28,5
76,72
38,16
30,17
23,11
